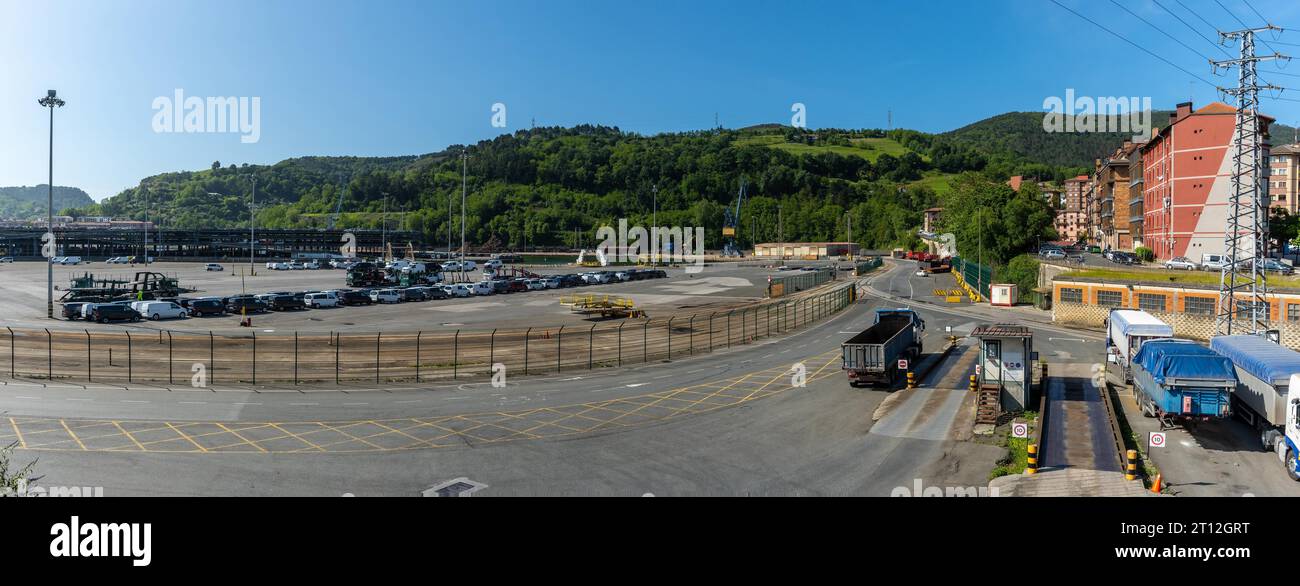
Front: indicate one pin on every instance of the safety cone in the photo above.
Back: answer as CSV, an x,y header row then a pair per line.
x,y
1155,486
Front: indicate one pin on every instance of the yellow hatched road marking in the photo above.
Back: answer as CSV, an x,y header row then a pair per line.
x,y
21,443
186,436
236,434
128,435
74,436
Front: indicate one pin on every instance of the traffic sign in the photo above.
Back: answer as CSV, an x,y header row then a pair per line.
x,y
902,365
1020,429
1157,440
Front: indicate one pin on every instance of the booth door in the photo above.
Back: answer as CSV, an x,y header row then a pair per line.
x,y
992,367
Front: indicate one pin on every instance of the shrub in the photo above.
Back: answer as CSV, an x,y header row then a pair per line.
x,y
1145,254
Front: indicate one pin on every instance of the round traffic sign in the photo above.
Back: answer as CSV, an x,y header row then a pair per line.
x,y
1020,430
1157,439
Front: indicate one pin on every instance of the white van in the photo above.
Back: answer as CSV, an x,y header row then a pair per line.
x,y
482,288
385,296
1213,262
319,300
458,290
156,310
70,260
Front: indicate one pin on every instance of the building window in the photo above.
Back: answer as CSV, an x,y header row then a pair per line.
x,y
1199,305
1071,295
1243,310
1110,298
1293,312
1151,302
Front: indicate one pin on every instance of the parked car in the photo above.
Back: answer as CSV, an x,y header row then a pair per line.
x,y
284,302
435,292
458,290
109,312
6,259
493,264
311,265
1054,254
482,288
1276,266
553,282
319,300
1213,262
201,307
1125,258
244,305
412,294
212,266
156,310
1181,263
356,298
385,296
535,284
118,260
516,285
72,311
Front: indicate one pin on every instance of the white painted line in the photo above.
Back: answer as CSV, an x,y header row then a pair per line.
x,y
411,401
22,397
71,399
354,404
192,402
130,401
635,385
303,404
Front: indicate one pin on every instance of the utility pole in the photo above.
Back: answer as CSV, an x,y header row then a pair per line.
x,y
51,101
1246,233
252,227
383,228
464,173
654,225
780,235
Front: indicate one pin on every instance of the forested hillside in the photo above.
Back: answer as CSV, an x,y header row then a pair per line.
x,y
555,186
27,203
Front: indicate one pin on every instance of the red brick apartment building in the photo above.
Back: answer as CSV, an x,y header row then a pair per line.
x,y
1071,219
1187,171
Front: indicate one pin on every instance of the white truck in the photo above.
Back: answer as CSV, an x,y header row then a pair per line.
x,y
1266,373
1126,330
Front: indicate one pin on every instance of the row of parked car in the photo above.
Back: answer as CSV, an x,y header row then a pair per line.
x,y
1216,262
184,307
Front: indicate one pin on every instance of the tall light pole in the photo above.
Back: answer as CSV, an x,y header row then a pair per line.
x,y
146,228
383,228
654,225
252,227
464,184
51,101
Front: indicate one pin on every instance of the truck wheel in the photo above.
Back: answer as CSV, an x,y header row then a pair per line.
x,y
1290,465
1148,410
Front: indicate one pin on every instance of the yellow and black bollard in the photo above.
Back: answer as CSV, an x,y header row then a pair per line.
x,y
1032,465
972,383
1130,472
911,380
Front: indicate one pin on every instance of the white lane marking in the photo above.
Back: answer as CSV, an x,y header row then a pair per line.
x,y
22,397
241,403
411,401
696,370
192,402
71,399
664,376
303,404
130,401
635,385
354,404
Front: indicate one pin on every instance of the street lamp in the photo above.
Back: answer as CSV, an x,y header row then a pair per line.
x,y
51,101
654,225
464,187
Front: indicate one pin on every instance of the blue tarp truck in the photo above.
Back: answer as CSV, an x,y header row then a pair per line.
x,y
872,355
1266,373
1126,331
1180,380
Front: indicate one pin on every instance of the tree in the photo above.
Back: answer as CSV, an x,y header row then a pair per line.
x,y
216,165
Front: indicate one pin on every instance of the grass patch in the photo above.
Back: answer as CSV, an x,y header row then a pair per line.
x,y
1163,275
866,148
937,181
1017,458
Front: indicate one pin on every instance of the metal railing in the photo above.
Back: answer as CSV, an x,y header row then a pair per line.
x,y
174,358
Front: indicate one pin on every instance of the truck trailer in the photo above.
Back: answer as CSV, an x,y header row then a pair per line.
x,y
1180,380
872,355
1266,373
1126,331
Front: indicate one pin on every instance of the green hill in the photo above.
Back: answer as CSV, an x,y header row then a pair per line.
x,y
27,203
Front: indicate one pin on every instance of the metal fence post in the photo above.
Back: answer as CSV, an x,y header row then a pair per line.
x,y
711,330
417,356
670,337
88,377
170,379
690,324
620,342
49,355
254,372
11,353
212,357
295,357
530,330
378,336
455,356
492,350
338,341
591,344
742,326
559,337
729,327
129,366
645,338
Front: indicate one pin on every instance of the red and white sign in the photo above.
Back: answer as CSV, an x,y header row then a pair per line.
x,y
1020,430
902,365
1157,440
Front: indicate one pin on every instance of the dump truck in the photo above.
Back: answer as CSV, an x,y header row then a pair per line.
x,y
1126,331
1266,373
1182,381
872,356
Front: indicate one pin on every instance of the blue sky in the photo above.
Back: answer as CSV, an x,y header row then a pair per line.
x,y
396,78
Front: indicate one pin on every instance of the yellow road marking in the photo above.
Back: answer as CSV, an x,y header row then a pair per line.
x,y
127,434
186,436
21,443
74,436
236,434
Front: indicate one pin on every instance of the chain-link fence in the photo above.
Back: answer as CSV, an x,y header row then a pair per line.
x,y
383,357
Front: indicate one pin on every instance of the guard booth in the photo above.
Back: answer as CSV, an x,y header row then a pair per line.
x,y
1003,375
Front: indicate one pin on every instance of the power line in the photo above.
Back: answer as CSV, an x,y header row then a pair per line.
x,y
1193,29
1135,45
1243,24
1162,31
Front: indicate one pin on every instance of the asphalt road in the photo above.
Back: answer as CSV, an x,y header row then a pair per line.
x,y
731,430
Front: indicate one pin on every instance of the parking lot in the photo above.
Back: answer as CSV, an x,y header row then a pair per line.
x,y
717,286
